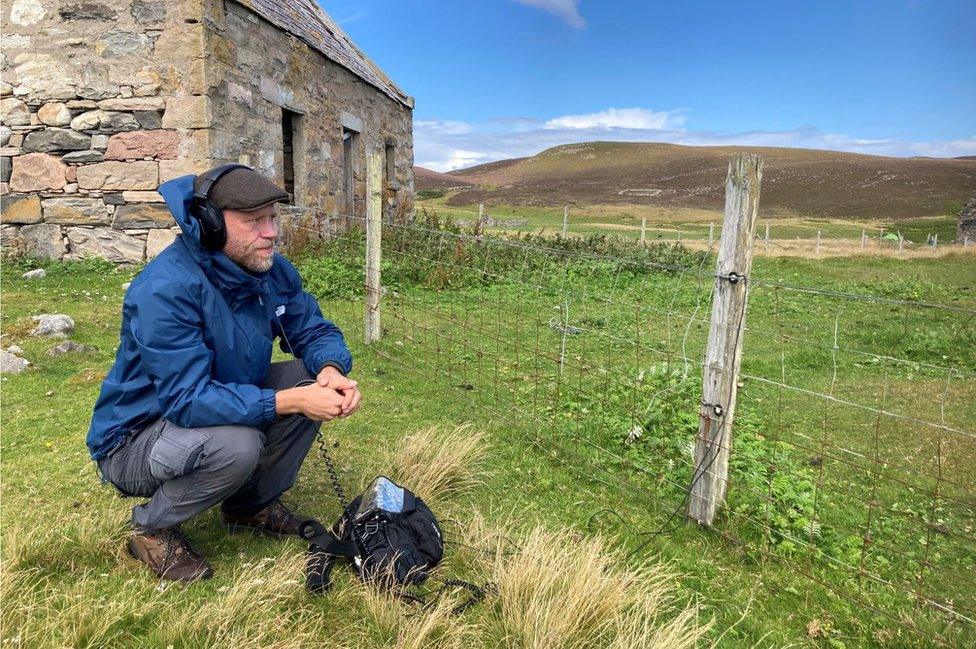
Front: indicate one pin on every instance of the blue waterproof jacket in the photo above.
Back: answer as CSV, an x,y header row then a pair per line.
x,y
197,334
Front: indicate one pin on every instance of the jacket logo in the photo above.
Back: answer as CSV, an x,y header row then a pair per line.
x,y
280,311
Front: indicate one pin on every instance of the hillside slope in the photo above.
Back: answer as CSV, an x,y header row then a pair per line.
x,y
800,182
424,178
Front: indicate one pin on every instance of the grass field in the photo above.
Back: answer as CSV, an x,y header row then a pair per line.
x,y
474,339
793,235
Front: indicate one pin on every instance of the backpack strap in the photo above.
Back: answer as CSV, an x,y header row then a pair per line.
x,y
314,532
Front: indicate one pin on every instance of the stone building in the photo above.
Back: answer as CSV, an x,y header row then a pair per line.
x,y
967,223
102,101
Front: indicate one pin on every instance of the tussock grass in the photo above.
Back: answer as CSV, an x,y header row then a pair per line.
x,y
561,590
437,463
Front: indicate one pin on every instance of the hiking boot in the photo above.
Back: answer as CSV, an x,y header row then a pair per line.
x,y
273,520
169,555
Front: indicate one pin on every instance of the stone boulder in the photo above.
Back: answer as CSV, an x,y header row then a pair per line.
x,y
133,103
86,11
83,157
56,139
20,208
14,112
69,347
10,364
142,215
117,44
88,120
967,223
107,243
141,144
148,11
45,76
158,240
116,122
119,175
34,172
53,325
43,240
54,114
38,273
75,211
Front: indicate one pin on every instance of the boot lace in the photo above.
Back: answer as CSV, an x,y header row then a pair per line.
x,y
278,515
176,542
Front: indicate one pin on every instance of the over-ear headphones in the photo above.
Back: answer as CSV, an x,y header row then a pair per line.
x,y
213,230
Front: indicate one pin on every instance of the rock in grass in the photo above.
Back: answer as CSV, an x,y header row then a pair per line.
x,y
68,347
35,274
15,349
54,325
10,364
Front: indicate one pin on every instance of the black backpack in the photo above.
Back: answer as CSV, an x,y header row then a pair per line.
x,y
390,535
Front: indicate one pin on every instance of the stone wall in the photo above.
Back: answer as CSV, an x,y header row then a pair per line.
x,y
256,70
100,103
967,223
103,101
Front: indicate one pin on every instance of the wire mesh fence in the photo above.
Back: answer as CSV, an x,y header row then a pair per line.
x,y
852,449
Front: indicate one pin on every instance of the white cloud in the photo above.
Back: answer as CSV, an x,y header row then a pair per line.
x,y
445,126
456,159
639,118
445,145
567,10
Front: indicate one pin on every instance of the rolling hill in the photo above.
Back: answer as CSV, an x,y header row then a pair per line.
x,y
429,179
796,182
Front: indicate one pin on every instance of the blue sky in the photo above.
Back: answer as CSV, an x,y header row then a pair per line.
x,y
496,79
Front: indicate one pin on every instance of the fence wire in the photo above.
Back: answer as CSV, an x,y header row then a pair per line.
x,y
852,446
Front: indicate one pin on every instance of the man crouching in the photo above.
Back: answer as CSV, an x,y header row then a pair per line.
x,y
193,412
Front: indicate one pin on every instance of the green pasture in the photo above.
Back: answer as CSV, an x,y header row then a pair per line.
x,y
673,224
849,521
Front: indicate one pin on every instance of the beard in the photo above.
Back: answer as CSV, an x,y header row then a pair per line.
x,y
250,257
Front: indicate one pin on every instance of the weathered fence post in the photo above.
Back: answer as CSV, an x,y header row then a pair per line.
x,y
935,241
901,243
643,236
863,237
965,241
374,243
565,219
711,234
724,354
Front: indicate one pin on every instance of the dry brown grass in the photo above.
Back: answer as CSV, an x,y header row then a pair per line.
x,y
561,590
438,464
807,249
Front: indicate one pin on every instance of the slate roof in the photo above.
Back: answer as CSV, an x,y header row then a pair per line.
x,y
305,20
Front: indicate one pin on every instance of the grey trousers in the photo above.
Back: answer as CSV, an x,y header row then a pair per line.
x,y
185,471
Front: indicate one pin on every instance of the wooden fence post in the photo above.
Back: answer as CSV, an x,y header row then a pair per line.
x,y
901,243
863,236
766,239
724,354
711,234
818,243
565,219
643,236
374,244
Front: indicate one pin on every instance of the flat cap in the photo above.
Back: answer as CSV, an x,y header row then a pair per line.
x,y
243,189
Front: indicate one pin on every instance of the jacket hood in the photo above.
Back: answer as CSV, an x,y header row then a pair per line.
x,y
234,281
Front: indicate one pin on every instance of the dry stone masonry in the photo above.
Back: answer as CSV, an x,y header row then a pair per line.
x,y
100,102
967,223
